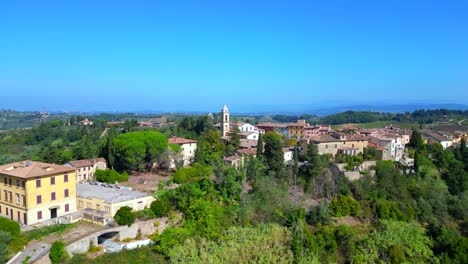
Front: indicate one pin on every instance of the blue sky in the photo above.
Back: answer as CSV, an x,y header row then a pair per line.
x,y
253,55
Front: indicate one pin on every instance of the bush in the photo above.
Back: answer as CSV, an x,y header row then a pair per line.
x,y
10,226
4,239
124,216
343,205
110,176
58,254
146,214
161,207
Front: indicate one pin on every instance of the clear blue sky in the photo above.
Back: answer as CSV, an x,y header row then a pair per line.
x,y
254,55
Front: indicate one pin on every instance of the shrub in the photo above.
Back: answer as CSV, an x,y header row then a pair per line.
x,y
110,176
124,216
161,207
343,205
58,254
146,214
10,226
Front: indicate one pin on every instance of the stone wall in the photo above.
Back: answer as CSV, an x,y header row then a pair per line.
x,y
146,228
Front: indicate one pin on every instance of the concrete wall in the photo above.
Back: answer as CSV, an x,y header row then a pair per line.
x,y
146,227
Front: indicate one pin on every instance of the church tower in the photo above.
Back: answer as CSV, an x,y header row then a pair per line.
x,y
225,121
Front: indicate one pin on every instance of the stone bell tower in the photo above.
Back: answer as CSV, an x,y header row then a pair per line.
x,y
225,121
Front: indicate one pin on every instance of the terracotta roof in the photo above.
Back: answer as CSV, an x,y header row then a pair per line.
x,y
85,162
435,136
270,124
324,138
251,151
30,169
247,143
232,158
180,141
372,145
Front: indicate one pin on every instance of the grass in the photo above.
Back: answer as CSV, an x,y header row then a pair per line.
x,y
45,231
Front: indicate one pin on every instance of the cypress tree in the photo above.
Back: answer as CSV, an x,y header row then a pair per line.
x,y
260,146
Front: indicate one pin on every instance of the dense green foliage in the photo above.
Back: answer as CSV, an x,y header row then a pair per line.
x,y
110,176
9,226
194,173
58,253
138,150
161,207
4,240
261,244
124,216
355,117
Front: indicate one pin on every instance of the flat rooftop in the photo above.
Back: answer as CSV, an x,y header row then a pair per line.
x,y
108,194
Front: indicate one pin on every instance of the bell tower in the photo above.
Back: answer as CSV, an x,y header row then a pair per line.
x,y
225,121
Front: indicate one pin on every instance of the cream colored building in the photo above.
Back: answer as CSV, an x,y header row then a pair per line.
x,y
107,199
85,169
33,192
188,148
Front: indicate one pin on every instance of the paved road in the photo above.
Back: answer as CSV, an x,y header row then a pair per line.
x,y
35,250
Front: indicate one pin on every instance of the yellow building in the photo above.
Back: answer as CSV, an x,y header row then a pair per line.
x,y
104,200
31,191
297,129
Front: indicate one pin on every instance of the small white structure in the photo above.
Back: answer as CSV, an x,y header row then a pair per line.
x,y
288,155
248,128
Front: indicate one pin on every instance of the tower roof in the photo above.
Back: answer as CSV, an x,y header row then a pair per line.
x,y
225,109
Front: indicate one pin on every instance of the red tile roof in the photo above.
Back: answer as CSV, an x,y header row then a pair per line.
x,y
181,141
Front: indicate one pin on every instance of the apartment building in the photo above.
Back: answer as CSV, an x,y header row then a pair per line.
x,y
33,192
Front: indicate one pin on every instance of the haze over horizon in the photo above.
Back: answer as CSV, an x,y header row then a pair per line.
x,y
255,56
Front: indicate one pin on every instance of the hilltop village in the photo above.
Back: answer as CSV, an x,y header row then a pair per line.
x,y
137,183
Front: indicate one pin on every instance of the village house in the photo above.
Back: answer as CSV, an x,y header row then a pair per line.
x,y
86,168
338,143
234,160
34,192
316,130
297,129
434,137
188,148
392,142
279,128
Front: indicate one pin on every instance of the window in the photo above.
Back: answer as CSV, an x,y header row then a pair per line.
x,y
38,183
5,180
9,181
326,146
52,180
38,199
17,183
65,178
66,193
67,207
39,215
24,184
24,200
52,196
106,208
80,204
6,195
18,201
11,197
98,207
